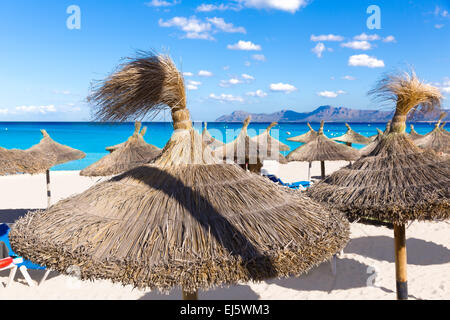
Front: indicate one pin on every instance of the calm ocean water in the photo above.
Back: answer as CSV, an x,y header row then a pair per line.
x,y
92,138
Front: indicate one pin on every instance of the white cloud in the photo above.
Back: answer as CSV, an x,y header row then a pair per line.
x,y
330,94
366,37
319,49
282,87
226,98
350,78
389,39
193,85
259,57
220,24
230,82
327,37
244,45
36,109
193,28
439,26
357,45
444,86
283,5
247,63
4,111
205,73
363,60
204,7
64,92
162,3
188,74
441,12
247,77
257,93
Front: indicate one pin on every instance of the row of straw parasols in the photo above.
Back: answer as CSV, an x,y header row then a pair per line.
x,y
189,220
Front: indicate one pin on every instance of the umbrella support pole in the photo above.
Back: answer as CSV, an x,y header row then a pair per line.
x,y
309,171
401,262
49,192
322,168
190,296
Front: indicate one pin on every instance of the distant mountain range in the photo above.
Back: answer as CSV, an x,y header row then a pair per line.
x,y
327,113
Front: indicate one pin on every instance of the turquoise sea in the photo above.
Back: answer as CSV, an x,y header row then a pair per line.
x,y
92,138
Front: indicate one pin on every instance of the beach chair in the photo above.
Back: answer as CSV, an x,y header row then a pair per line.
x,y
20,263
295,185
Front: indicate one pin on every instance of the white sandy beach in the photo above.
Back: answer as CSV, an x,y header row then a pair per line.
x,y
366,269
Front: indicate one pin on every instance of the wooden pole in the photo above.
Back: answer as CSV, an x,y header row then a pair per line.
x,y
190,296
49,192
309,171
401,262
349,144
322,167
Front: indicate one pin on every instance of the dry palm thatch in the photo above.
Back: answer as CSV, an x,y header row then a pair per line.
x,y
437,140
18,161
371,146
47,146
137,127
414,135
209,140
396,181
323,149
443,128
133,153
246,152
388,127
351,137
305,138
266,142
184,220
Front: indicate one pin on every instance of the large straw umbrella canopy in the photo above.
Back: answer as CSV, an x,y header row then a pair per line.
x,y
414,135
443,128
184,220
438,140
351,137
306,137
247,152
371,146
46,148
133,153
323,149
397,182
209,140
137,126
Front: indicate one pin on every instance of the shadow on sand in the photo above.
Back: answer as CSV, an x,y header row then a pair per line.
x,y
12,215
239,292
420,252
349,274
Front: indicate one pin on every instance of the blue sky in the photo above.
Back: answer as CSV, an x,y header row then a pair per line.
x,y
252,55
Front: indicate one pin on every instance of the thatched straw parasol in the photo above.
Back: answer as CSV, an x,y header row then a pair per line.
x,y
323,149
269,143
351,137
209,140
438,140
397,182
414,135
371,146
19,161
306,137
184,220
443,128
61,153
133,153
120,145
247,152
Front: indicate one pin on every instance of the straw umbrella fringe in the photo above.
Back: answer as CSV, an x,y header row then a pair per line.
x,y
18,161
266,142
184,220
437,140
323,149
397,181
61,153
137,127
133,153
209,140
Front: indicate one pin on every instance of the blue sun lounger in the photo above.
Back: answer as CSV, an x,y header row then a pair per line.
x,y
294,185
